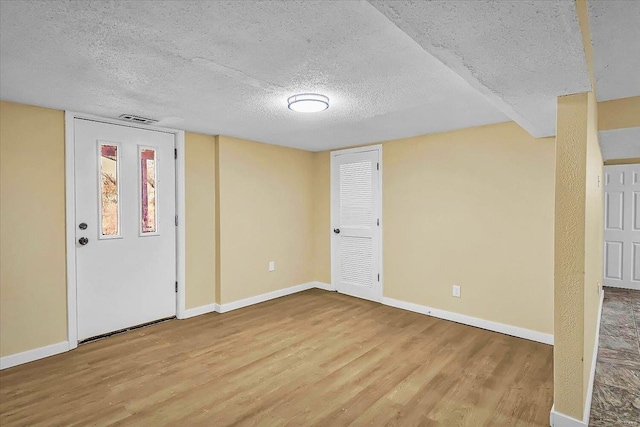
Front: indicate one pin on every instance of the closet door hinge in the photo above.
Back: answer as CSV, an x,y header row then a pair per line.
x,y
377,166
378,277
176,286
175,153
176,220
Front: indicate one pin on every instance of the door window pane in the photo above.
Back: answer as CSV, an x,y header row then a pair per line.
x,y
148,191
109,191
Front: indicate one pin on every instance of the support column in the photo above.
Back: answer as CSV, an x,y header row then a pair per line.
x,y
570,205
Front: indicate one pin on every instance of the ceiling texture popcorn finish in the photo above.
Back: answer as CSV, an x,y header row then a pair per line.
x,y
521,55
615,32
391,69
229,67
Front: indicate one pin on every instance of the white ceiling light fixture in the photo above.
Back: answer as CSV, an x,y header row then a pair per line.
x,y
308,103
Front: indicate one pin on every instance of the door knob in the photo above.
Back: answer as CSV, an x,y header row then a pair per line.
x,y
83,241
336,230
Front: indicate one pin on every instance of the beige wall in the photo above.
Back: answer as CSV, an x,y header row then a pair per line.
x,y
633,161
619,113
266,214
33,310
200,199
578,249
594,229
33,297
321,262
472,207
568,349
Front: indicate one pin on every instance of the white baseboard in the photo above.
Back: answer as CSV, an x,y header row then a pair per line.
x,y
203,309
42,352
515,331
558,419
323,286
224,308
31,355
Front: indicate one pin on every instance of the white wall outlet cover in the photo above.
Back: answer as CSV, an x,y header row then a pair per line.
x,y
456,291
272,265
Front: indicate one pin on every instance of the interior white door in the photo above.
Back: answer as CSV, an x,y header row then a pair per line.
x,y
355,218
125,231
622,226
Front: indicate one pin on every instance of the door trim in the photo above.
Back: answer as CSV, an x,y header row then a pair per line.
x,y
70,204
334,269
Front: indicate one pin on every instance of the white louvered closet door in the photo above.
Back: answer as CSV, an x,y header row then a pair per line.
x,y
355,214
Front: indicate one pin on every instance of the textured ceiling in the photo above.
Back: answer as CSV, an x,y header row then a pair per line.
x,y
520,55
615,34
228,68
390,69
620,143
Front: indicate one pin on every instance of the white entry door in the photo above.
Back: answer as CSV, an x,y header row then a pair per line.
x,y
125,230
355,219
622,226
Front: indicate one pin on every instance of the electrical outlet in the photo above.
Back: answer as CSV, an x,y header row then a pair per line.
x,y
456,291
272,265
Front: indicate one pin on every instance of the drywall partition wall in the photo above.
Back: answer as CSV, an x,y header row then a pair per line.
x,y
472,207
570,254
200,199
33,310
619,113
266,214
322,217
594,235
633,161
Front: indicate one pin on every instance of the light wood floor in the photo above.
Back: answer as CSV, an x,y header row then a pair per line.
x,y
313,358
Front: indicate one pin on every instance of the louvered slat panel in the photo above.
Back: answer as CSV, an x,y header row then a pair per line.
x,y
356,260
356,198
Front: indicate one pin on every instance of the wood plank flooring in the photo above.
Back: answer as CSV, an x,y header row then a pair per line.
x,y
313,358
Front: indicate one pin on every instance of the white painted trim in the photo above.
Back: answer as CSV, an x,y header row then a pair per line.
x,y
70,205
35,354
223,308
203,309
363,149
594,359
265,297
378,148
558,419
489,325
324,286
70,198
181,245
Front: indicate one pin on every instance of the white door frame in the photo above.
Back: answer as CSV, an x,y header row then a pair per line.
x,y
70,193
334,255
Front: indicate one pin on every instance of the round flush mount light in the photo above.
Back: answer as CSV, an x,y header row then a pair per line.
x,y
308,103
